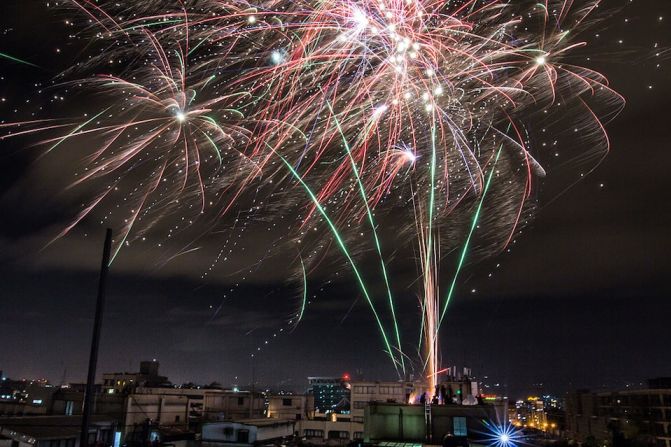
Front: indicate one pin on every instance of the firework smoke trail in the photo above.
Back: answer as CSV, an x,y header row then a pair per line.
x,y
387,111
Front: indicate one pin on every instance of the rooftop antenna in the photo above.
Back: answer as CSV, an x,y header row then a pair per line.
x,y
64,377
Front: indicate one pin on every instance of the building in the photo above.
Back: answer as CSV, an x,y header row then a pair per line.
x,y
125,382
364,393
332,412
163,413
312,427
530,412
287,406
25,397
246,432
331,429
233,405
51,431
642,416
324,422
331,394
387,422
544,413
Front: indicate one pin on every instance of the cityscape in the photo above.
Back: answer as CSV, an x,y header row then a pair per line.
x,y
352,223
139,407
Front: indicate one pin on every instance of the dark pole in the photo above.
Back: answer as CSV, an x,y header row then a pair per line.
x,y
95,341
251,400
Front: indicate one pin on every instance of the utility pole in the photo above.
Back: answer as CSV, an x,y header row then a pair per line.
x,y
95,341
251,393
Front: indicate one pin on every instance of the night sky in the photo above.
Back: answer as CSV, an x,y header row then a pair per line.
x,y
581,299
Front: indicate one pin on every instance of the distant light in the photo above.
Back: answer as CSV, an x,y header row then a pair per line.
x,y
504,438
541,60
251,19
410,155
181,117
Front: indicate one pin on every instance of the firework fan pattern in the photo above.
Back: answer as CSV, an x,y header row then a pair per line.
x,y
420,123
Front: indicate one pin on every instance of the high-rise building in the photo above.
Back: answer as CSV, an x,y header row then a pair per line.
x,y
331,394
530,412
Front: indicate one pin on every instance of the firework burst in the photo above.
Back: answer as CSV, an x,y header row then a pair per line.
x,y
427,120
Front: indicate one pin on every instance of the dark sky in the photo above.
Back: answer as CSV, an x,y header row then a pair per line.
x,y
581,299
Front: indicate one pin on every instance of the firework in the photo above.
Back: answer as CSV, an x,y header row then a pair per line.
x,y
415,123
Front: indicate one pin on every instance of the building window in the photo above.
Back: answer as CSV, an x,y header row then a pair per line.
x,y
358,435
360,404
310,433
358,419
459,426
336,434
177,418
241,401
228,431
69,407
286,402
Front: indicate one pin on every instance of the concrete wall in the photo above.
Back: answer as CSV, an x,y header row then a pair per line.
x,y
233,406
327,427
394,422
365,392
295,410
229,431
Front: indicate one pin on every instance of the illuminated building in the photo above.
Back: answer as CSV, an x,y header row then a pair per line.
x,y
533,412
331,394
